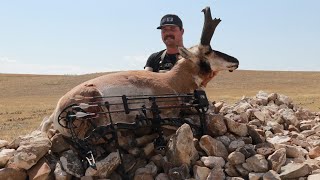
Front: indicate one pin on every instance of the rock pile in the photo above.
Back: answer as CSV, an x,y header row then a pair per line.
x,y
265,137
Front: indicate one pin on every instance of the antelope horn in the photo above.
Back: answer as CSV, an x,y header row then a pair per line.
x,y
208,27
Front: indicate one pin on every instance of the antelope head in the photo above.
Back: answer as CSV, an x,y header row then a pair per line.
x,y
210,60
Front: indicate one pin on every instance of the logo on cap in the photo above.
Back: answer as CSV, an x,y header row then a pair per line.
x,y
168,19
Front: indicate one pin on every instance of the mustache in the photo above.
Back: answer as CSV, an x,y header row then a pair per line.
x,y
169,36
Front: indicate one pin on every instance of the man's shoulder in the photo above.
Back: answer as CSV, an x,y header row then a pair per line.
x,y
156,54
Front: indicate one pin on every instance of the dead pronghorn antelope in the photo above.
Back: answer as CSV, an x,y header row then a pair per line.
x,y
195,68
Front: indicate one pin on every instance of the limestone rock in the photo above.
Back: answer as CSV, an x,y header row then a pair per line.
x,y
234,178
314,177
60,174
262,98
3,143
294,170
255,176
213,147
289,116
242,107
213,162
242,170
265,148
236,158
271,175
216,125
224,139
162,176
201,173
217,106
181,149
231,170
236,128
260,116
308,133
272,97
181,172
39,171
71,163
278,139
247,150
304,127
235,145
152,168
143,177
313,153
256,138
316,128
257,163
32,147
12,174
293,151
282,99
277,159
216,174
59,144
105,166
5,155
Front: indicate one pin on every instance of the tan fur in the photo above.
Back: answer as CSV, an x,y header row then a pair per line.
x,y
184,77
154,83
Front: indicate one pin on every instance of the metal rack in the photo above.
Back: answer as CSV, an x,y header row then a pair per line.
x,y
149,116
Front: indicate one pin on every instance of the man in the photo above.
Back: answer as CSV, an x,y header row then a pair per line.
x,y
171,34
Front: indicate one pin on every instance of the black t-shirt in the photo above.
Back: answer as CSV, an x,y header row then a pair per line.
x,y
154,61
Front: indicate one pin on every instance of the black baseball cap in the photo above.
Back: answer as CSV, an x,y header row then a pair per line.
x,y
170,19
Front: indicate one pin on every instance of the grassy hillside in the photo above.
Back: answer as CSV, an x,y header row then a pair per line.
x,y
26,99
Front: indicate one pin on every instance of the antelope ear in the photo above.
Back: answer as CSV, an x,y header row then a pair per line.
x,y
185,53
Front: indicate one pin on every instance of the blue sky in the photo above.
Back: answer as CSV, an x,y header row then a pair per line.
x,y
82,36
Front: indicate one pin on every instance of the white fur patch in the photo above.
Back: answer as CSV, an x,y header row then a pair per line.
x,y
125,90
197,80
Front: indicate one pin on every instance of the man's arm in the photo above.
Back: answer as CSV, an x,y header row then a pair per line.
x,y
148,68
151,62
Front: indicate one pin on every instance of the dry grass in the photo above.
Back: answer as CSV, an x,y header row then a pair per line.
x,y
26,99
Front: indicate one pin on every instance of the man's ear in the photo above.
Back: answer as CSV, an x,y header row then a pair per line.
x,y
185,53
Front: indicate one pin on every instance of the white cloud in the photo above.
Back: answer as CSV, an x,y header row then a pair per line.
x,y
6,60
136,61
130,62
137,58
8,65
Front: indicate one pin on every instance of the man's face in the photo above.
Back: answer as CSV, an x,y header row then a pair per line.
x,y
172,35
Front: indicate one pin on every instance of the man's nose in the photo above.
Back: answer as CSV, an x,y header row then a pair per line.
x,y
167,33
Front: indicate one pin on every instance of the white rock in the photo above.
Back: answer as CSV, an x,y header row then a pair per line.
x,y
105,166
239,129
277,159
3,143
32,148
289,116
213,147
201,173
294,170
181,149
5,155
236,158
257,163
314,177
213,162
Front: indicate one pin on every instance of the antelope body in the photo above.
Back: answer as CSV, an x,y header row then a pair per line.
x,y
195,68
